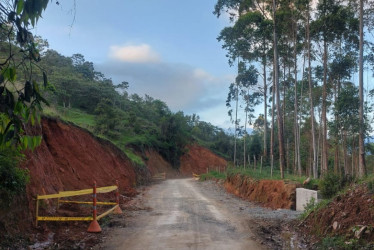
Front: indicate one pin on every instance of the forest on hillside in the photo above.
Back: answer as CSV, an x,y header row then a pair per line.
x,y
304,61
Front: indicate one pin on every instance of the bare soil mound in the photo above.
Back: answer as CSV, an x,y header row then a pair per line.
x,y
345,215
269,193
198,159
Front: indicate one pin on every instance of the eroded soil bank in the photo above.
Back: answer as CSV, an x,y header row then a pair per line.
x,y
350,215
71,158
274,194
198,159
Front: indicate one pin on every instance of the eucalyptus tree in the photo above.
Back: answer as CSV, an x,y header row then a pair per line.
x,y
276,84
331,24
310,85
233,94
362,164
247,80
250,38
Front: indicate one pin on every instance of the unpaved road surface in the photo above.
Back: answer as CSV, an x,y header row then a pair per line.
x,y
187,214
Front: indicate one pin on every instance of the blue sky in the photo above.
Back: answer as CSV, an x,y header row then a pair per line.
x,y
164,48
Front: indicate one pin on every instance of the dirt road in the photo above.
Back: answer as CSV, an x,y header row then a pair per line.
x,y
182,216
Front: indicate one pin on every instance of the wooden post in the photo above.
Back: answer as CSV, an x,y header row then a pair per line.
x,y
261,165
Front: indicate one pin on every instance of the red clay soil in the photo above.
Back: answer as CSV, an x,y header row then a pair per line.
x,y
269,193
198,159
157,164
345,214
69,158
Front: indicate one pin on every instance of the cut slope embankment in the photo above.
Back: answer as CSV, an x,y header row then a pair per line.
x,y
269,193
71,158
198,159
349,215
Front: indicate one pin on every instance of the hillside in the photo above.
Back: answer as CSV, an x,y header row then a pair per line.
x,y
71,158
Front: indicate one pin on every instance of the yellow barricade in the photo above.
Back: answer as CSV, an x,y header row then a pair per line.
x,y
159,176
93,218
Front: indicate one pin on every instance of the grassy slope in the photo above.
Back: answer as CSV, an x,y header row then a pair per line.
x,y
87,121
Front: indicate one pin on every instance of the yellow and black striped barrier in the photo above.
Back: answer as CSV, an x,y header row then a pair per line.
x,y
94,226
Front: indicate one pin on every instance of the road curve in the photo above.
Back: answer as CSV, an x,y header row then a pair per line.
x,y
182,216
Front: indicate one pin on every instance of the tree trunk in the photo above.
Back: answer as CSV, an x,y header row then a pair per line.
x,y
315,155
361,164
324,165
265,110
272,127
345,164
245,134
236,121
279,110
336,153
296,118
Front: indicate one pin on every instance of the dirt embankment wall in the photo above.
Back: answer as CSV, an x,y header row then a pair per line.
x,y
157,164
270,193
70,158
198,159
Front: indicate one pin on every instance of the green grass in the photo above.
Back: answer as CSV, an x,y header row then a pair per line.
x,y
212,175
73,115
137,160
265,173
87,121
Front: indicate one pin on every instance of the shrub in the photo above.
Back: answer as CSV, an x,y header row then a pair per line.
x,y
13,179
330,185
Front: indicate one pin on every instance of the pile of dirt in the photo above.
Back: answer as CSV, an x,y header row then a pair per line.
x,y
198,159
350,215
269,193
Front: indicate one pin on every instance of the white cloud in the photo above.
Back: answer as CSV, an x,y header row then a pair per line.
x,y
134,53
181,86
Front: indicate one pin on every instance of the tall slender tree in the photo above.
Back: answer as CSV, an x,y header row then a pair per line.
x,y
278,101
362,163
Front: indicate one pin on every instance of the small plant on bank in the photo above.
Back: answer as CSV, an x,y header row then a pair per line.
x,y
370,185
313,206
13,179
330,185
212,175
